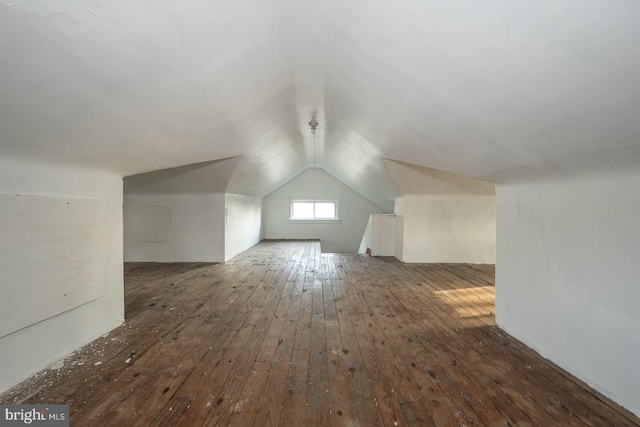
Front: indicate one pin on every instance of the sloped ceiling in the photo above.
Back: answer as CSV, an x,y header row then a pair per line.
x,y
482,88
205,177
414,179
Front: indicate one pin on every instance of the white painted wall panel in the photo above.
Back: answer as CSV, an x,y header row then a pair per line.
x,y
365,243
52,257
399,234
379,236
152,223
567,275
196,228
383,235
243,224
449,228
32,348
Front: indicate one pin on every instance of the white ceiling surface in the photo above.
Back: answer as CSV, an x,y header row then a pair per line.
x,y
477,88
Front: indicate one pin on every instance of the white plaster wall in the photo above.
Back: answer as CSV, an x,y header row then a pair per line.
x,y
398,251
383,229
449,228
29,350
196,229
365,243
243,224
567,276
342,237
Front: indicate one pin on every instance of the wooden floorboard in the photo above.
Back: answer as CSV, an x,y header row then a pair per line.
x,y
283,335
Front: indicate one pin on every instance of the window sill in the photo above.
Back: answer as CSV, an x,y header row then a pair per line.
x,y
314,221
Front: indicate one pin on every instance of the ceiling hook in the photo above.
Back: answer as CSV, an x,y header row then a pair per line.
x,y
314,124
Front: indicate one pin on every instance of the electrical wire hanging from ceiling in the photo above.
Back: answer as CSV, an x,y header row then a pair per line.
x,y
314,124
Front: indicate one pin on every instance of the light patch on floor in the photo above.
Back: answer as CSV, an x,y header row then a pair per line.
x,y
475,303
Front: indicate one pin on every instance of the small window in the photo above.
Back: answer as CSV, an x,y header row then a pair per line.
x,y
314,210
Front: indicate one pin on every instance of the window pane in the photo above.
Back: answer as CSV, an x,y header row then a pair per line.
x,y
302,210
325,210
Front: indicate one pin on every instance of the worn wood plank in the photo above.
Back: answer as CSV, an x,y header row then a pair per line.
x,y
364,399
270,407
295,403
244,412
242,369
342,410
318,412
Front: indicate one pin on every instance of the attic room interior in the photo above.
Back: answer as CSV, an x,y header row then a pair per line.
x,y
321,213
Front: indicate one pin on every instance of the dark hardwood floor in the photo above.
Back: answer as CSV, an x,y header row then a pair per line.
x,y
284,335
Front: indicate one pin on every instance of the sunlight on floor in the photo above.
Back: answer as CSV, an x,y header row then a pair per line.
x,y
476,303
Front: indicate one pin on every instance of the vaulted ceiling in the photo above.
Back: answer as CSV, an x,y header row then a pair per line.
x,y
487,88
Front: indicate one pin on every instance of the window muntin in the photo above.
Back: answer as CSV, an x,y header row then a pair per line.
x,y
314,210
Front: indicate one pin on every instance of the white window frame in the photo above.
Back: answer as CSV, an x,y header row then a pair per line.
x,y
335,220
